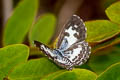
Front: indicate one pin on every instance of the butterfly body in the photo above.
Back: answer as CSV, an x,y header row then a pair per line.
x,y
71,49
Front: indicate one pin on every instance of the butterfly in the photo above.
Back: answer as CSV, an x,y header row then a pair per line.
x,y
71,48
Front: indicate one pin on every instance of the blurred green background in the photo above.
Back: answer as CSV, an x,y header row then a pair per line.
x,y
23,21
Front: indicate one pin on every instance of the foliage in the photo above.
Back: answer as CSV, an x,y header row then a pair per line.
x,y
14,58
46,23
10,56
20,22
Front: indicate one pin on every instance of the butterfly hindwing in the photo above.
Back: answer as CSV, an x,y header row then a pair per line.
x,y
74,31
78,53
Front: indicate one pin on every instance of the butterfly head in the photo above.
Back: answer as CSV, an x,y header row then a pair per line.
x,y
45,49
40,45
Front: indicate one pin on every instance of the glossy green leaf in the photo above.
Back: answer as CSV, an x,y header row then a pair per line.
x,y
103,59
100,30
43,30
84,66
20,22
33,70
51,76
107,43
10,56
113,12
112,73
75,74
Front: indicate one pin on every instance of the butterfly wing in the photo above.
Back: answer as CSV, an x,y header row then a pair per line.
x,y
74,31
45,49
78,53
71,46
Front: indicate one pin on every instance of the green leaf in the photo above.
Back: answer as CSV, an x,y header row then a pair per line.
x,y
113,12
105,3
101,30
20,22
51,76
112,73
75,74
84,66
103,59
33,70
107,43
10,56
43,30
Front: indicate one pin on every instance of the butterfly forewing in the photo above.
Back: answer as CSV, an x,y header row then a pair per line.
x,y
74,31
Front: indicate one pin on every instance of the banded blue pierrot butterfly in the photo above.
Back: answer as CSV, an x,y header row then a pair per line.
x,y
71,49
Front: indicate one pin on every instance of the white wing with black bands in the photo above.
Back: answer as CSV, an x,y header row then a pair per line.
x,y
74,31
45,49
